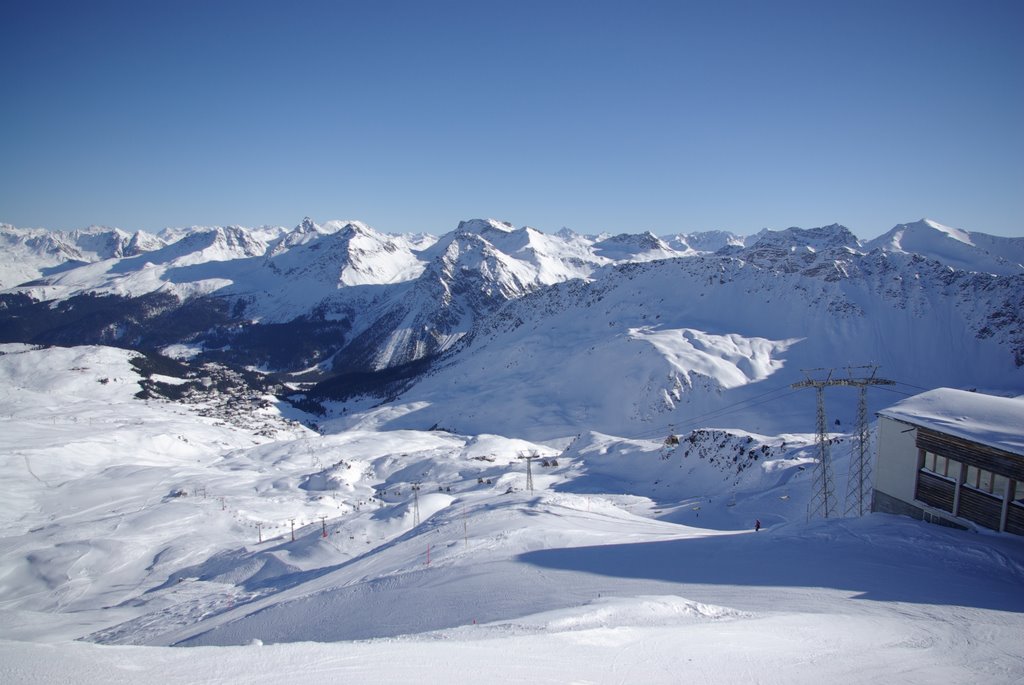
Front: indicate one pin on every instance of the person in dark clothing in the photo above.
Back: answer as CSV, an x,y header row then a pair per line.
x,y
757,525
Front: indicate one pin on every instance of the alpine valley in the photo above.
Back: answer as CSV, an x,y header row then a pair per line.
x,y
227,437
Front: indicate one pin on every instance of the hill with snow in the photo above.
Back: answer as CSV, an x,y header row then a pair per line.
x,y
208,534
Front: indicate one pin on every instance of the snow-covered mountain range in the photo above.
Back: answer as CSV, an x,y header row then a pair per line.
x,y
458,327
313,437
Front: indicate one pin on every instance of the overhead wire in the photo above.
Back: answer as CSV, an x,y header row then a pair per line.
x,y
765,397
729,409
749,403
911,385
898,392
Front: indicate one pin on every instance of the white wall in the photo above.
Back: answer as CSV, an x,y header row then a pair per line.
x,y
896,469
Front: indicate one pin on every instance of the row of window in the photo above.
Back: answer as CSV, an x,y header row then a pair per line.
x,y
979,479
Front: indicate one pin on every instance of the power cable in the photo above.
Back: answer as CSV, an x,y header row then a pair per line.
x,y
721,411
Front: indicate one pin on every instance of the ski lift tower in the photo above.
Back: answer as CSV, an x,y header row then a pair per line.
x,y
415,504
529,470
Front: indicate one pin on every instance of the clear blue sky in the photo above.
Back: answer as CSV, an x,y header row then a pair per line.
x,y
600,116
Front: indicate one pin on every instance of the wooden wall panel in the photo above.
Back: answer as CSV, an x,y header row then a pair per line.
x,y
980,507
936,491
1015,519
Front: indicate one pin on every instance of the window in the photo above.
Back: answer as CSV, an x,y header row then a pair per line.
x,y
972,476
986,481
941,466
929,462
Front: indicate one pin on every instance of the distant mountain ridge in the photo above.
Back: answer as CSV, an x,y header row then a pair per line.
x,y
688,340
384,316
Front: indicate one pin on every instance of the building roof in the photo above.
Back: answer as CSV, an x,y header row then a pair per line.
x,y
986,419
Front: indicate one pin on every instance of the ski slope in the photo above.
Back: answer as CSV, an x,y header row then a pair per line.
x,y
142,541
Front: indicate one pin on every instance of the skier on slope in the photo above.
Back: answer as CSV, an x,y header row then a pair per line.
x,y
757,525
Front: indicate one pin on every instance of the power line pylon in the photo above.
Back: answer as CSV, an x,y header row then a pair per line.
x,y
858,483
823,498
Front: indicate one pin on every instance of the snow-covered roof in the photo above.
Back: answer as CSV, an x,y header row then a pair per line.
x,y
985,419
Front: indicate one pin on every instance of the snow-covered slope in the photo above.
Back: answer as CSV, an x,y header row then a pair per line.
x,y
134,522
673,341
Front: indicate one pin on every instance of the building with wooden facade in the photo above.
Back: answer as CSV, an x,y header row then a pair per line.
x,y
953,457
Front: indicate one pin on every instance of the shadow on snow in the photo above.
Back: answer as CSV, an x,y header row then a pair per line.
x,y
908,564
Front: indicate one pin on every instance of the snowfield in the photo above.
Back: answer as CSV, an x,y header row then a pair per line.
x,y
149,541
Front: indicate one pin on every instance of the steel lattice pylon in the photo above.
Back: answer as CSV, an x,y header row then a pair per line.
x,y
858,482
415,504
858,486
529,470
823,500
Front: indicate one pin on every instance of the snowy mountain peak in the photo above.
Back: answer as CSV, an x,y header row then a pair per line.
x,y
954,247
705,241
482,226
351,253
633,247
306,231
817,239
215,244
954,233
336,225
141,242
923,234
566,233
